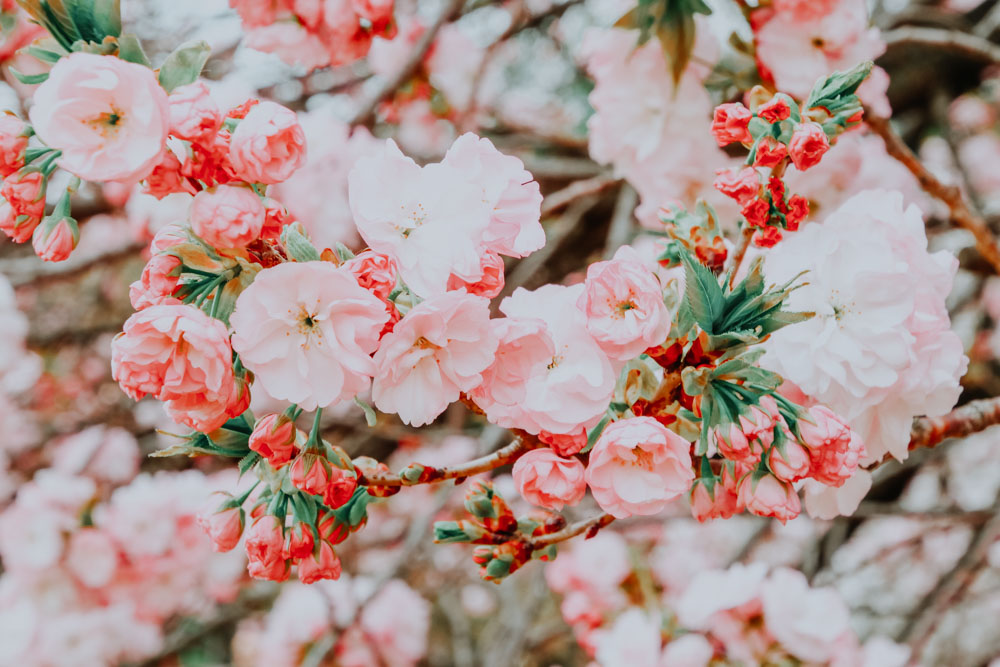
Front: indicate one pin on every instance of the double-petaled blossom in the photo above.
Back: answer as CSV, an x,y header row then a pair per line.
x,y
307,331
268,145
265,545
437,351
808,145
880,349
789,461
729,124
546,479
812,624
109,117
624,305
550,374
742,186
374,271
158,282
180,355
194,115
717,501
638,466
322,563
227,216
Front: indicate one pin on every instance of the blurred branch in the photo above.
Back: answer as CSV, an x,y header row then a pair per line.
x,y
366,111
576,190
620,231
961,214
956,41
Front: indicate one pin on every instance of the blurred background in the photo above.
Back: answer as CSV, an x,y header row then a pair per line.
x,y
103,560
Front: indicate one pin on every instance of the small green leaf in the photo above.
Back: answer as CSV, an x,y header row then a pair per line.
x,y
298,245
702,293
130,49
183,65
370,417
29,79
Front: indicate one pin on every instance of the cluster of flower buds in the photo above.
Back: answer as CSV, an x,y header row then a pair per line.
x,y
503,540
777,130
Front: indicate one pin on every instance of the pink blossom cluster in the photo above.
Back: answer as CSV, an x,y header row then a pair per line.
x,y
94,578
313,34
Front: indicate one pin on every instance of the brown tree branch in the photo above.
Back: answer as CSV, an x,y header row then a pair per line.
x,y
590,526
961,214
955,41
576,190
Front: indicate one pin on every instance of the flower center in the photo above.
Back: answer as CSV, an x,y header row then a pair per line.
x,y
424,344
643,458
107,124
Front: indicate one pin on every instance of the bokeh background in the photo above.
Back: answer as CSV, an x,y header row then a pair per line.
x,y
103,561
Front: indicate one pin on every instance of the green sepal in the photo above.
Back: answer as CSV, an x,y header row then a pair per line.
x,y
370,417
29,79
184,65
130,49
298,245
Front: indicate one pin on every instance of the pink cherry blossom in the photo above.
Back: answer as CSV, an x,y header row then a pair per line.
x,y
157,284
227,216
109,117
265,548
809,623
430,220
807,146
323,564
729,124
23,204
559,393
509,189
624,306
546,479
55,243
768,496
437,351
273,437
92,557
291,42
834,449
307,331
638,466
268,145
789,465
374,271
180,355
826,502
193,113
490,283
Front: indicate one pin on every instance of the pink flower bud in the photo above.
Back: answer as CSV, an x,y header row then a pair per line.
x,y
55,242
310,472
268,145
374,271
793,465
300,541
273,438
729,124
157,284
757,213
490,284
742,186
565,445
768,496
734,445
808,144
545,479
324,565
265,547
719,504
341,487
23,204
224,528
834,449
228,216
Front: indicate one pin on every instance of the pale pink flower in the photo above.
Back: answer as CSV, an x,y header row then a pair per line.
x,y
880,349
437,351
599,564
768,496
691,650
193,113
810,623
798,48
268,145
490,284
804,9
396,622
23,204
30,538
430,219
180,355
108,116
508,188
157,284
107,454
633,641
624,306
227,216
827,502
569,388
741,186
307,331
564,444
546,479
13,141
638,466
714,591
291,42
729,124
92,557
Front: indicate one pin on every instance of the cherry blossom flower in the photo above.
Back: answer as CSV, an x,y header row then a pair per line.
x,y
109,117
396,622
227,216
307,331
888,352
624,306
546,479
224,527
437,351
766,495
268,145
157,284
265,548
809,622
194,115
638,466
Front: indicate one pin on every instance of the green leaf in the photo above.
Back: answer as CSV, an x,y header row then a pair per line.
x,y
298,245
183,65
370,417
45,55
702,294
595,433
832,90
130,49
248,462
29,79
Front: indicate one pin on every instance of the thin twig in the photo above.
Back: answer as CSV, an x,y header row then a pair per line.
x,y
589,526
961,214
420,49
576,190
